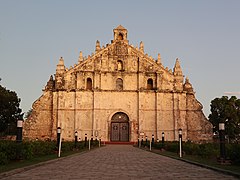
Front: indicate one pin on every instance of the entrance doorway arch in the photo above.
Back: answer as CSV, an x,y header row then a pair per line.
x,y
120,127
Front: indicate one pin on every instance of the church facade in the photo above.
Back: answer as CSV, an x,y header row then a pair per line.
x,y
118,93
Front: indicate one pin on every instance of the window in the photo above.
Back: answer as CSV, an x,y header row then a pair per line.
x,y
150,84
120,36
119,65
119,84
89,84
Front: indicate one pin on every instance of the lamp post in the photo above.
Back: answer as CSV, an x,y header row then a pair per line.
x,y
19,130
76,137
152,139
162,139
58,136
180,142
222,141
19,139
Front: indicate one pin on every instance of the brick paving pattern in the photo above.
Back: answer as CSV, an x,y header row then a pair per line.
x,y
118,162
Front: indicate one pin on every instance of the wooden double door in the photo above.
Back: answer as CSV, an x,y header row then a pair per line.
x,y
120,131
120,127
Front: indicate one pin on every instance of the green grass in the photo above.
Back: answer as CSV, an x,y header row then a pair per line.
x,y
208,162
23,163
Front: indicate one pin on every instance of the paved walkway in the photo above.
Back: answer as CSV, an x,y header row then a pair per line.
x,y
118,162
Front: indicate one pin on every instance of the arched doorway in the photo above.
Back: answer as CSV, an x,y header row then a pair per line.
x,y
120,127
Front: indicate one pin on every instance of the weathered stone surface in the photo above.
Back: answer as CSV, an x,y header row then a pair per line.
x,y
118,78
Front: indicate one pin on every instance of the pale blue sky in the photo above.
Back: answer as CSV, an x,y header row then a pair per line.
x,y
204,35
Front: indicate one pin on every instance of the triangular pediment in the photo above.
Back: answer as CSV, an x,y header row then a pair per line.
x,y
120,27
106,59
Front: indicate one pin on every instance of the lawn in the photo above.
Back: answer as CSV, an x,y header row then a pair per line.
x,y
210,163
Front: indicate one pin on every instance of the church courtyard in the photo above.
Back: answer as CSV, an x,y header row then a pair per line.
x,y
116,162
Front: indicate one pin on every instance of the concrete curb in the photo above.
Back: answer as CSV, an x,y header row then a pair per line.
x,y
199,164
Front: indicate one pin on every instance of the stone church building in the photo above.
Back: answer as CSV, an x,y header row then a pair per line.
x,y
119,93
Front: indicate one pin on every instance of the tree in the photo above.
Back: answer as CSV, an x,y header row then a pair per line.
x,y
9,110
226,110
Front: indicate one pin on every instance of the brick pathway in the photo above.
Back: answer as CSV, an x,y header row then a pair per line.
x,y
118,162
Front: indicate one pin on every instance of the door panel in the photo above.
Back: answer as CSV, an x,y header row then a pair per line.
x,y
115,132
124,131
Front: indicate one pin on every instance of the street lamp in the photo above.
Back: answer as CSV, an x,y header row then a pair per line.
x,y
76,137
222,141
19,139
180,142
19,130
163,139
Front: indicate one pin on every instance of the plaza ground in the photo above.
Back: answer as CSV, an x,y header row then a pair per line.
x,y
116,162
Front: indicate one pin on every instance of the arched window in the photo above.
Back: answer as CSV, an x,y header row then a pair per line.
x,y
89,84
150,84
119,84
119,65
120,36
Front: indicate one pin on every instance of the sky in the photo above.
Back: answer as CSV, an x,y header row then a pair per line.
x,y
204,35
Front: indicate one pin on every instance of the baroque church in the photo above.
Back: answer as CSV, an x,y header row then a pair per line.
x,y
119,93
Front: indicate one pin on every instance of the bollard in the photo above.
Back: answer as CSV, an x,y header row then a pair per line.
x,y
85,143
60,146
146,141
162,139
180,142
89,144
150,145
58,136
152,139
76,137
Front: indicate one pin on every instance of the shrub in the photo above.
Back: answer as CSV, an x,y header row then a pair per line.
x,y
233,152
172,146
27,150
9,148
208,150
3,158
191,148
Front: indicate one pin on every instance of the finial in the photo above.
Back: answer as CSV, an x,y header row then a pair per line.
x,y
97,46
159,59
188,86
61,61
141,47
80,59
177,68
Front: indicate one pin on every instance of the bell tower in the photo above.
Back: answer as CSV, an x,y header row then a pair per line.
x,y
120,34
